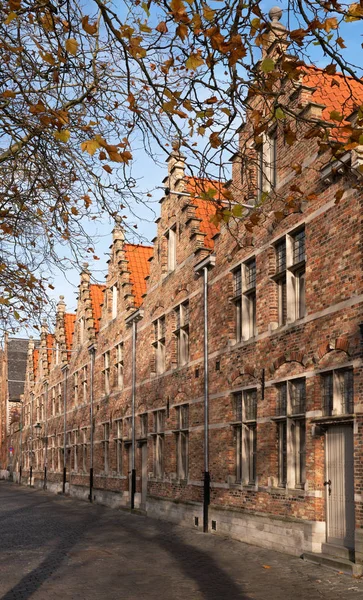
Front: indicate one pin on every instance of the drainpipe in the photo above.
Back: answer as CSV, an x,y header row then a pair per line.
x,y
132,321
202,268
65,370
92,352
46,436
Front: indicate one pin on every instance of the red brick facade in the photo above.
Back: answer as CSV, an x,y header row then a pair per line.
x,y
295,365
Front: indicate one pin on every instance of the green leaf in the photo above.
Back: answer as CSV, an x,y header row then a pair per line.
x,y
267,65
279,113
237,210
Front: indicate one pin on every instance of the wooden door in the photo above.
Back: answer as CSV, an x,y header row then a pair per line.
x,y
339,485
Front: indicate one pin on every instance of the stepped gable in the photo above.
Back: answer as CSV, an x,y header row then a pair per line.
x,y
96,294
205,209
138,257
50,345
35,361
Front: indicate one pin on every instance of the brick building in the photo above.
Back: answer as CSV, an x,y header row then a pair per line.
x,y
121,385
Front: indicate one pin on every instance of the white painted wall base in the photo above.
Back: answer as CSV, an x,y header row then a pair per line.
x,y
291,536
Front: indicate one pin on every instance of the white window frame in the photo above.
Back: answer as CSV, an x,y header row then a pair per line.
x,y
267,163
114,296
159,442
340,397
106,372
106,446
118,444
171,248
119,365
245,300
246,436
182,441
75,386
290,277
159,344
291,423
84,448
85,384
182,333
75,449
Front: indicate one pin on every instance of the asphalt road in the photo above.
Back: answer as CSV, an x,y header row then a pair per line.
x,y
53,547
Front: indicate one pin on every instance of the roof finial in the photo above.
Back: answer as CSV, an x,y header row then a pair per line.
x,y
275,14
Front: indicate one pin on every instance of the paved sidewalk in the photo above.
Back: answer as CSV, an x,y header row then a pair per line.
x,y
60,548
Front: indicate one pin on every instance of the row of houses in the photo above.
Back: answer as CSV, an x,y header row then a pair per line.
x,y
215,378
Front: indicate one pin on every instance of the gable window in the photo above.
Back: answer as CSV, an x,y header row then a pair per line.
x,y
246,435
338,392
57,353
182,333
82,329
290,417
266,153
119,365
114,296
171,241
182,437
290,277
159,345
106,372
158,434
245,300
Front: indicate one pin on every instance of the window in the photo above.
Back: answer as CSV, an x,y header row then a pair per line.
x,y
338,392
182,333
290,416
266,164
246,436
75,450
114,296
106,372
84,383
59,408
75,387
105,445
53,402
290,277
171,240
82,329
84,449
60,451
159,345
158,433
57,353
118,442
119,365
128,428
143,425
52,452
245,300
182,436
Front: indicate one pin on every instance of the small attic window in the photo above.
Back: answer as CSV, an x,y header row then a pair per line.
x,y
82,328
114,296
171,237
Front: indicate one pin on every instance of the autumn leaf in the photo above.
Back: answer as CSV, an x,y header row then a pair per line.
x,y
11,16
208,12
162,28
267,65
336,116
215,140
72,46
62,136
107,168
90,28
338,196
48,57
90,146
330,24
8,94
194,61
279,113
340,42
182,31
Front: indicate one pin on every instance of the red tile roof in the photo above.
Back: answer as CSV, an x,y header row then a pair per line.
x,y
96,292
69,320
138,260
206,209
337,92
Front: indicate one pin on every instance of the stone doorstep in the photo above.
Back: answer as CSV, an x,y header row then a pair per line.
x,y
335,562
338,551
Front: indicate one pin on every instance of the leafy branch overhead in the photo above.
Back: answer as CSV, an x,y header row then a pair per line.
x,y
86,83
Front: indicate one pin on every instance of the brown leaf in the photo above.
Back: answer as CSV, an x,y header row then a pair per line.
x,y
162,27
90,28
107,168
72,46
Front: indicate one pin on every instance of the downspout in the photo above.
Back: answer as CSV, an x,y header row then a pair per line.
x,y
46,437
132,320
92,351
206,494
202,268
65,369
31,440
133,469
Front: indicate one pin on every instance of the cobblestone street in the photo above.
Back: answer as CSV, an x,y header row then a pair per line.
x,y
53,547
